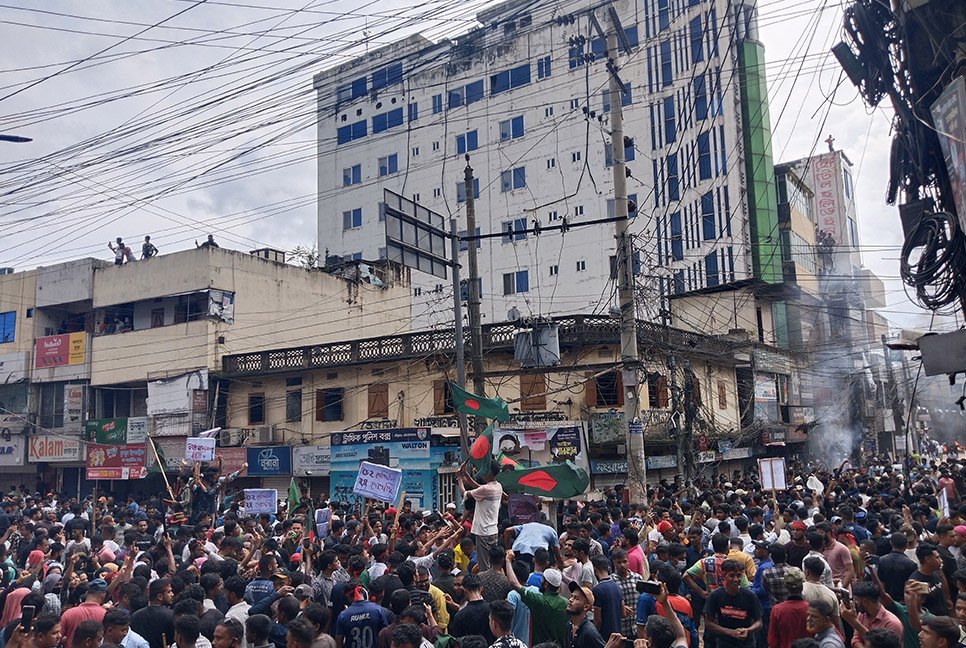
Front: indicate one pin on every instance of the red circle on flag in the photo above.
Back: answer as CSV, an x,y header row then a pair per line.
x,y
472,403
481,448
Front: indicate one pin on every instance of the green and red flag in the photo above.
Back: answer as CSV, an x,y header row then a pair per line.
x,y
481,453
554,480
467,403
294,501
506,461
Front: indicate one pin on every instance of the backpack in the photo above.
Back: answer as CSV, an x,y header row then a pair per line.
x,y
713,576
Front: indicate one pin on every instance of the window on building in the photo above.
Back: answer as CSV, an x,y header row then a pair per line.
x,y
631,198
467,142
543,67
576,156
379,400
513,179
657,391
51,406
465,287
575,56
256,409
663,14
516,282
677,237
667,74
385,121
455,98
853,233
509,79
670,128
461,190
474,91
574,104
328,404
442,398
388,165
604,391
435,146
352,218
581,266
413,111
551,163
293,406
387,76
554,270
548,111
30,313
673,190
533,397
437,192
437,103
722,395
848,183
351,132
711,269
553,215
707,216
626,97
359,87
515,230
8,326
696,35
465,245
704,155
352,175
700,98
629,152
415,151
511,128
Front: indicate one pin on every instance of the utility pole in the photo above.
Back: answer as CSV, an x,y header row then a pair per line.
x,y
892,397
630,357
678,432
473,297
458,331
685,440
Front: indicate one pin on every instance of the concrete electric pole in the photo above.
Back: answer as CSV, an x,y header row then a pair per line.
x,y
473,297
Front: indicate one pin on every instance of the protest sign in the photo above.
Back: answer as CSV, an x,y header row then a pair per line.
x,y
261,500
772,473
199,449
377,482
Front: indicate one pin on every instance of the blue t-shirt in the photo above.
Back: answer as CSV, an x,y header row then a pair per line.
x,y
258,589
607,597
532,536
359,624
534,580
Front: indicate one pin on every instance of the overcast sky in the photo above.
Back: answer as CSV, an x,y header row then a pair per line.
x,y
178,118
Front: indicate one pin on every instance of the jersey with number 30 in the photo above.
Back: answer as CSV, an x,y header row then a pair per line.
x,y
359,624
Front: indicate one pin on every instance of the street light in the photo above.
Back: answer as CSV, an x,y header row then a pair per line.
x,y
14,138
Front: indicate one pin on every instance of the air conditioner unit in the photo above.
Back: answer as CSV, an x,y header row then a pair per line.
x,y
265,434
230,438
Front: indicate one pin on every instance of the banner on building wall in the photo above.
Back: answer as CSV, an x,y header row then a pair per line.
x,y
123,461
311,461
233,460
13,424
117,430
947,114
12,451
405,449
275,460
176,395
73,408
532,446
661,461
60,350
608,428
53,449
825,178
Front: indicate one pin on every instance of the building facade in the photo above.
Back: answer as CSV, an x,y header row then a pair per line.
x,y
525,96
98,356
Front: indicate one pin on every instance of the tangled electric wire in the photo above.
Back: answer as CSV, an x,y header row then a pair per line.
x,y
938,274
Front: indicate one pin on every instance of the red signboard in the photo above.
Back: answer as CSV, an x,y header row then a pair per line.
x,y
123,461
59,350
232,459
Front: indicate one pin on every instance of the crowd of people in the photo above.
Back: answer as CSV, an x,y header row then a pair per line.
x,y
871,559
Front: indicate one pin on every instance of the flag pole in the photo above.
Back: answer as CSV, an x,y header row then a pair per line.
x,y
161,467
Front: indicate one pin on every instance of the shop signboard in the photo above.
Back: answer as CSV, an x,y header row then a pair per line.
x,y
405,449
60,350
121,461
270,461
52,448
12,451
311,461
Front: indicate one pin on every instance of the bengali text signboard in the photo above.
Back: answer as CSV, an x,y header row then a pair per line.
x,y
60,350
199,449
378,482
123,461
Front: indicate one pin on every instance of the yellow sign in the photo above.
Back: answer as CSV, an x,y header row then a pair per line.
x,y
76,348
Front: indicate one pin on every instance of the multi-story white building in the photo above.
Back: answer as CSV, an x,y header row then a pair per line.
x,y
525,96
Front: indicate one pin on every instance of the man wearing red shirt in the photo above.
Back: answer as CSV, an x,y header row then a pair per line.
x,y
787,621
91,608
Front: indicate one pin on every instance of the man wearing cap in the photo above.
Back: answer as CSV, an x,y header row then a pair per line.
x,y
788,618
548,610
91,608
581,632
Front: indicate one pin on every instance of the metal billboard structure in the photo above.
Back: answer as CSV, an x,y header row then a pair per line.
x,y
416,237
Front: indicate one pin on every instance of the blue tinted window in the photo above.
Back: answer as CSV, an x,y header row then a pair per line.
x,y
474,91
465,245
359,87
704,156
343,135
711,269
672,177
519,177
455,98
395,117
379,123
520,76
677,241
523,281
437,103
663,15
395,73
500,82
543,67
700,98
707,216
694,29
667,75
413,111
8,326
670,129
516,126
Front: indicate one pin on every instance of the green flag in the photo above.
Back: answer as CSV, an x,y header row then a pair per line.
x,y
467,403
481,453
159,465
293,496
553,480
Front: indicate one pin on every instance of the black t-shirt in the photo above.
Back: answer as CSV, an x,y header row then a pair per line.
x,y
153,621
471,620
935,601
733,612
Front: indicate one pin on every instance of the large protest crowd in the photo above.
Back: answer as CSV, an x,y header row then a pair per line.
x,y
867,557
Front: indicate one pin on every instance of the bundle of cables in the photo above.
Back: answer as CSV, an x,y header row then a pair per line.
x,y
938,273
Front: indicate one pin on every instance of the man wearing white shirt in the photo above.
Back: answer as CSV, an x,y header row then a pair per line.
x,y
117,630
235,595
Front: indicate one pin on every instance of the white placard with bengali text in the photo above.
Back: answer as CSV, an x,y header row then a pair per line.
x,y
378,482
261,500
197,449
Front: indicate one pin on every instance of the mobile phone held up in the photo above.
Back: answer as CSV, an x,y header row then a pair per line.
x,y
649,587
27,618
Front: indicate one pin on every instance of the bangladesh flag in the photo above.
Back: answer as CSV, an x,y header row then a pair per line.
x,y
481,453
294,501
554,480
507,461
467,403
